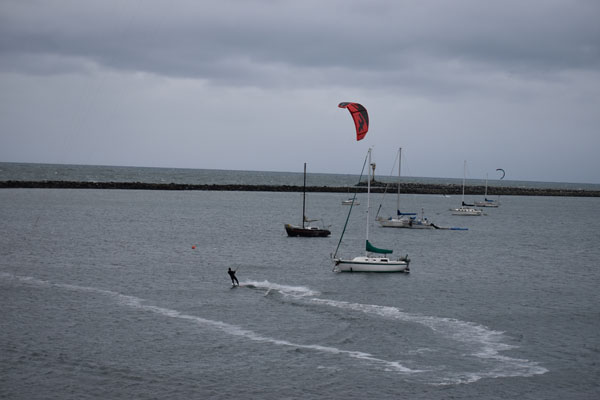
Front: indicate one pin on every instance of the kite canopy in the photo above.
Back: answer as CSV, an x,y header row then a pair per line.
x,y
360,117
503,173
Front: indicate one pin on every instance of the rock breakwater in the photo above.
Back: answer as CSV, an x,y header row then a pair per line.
x,y
407,188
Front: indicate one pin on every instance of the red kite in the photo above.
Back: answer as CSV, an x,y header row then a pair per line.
x,y
360,117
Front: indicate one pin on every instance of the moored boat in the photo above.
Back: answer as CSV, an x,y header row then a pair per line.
x,y
465,209
375,259
487,202
305,230
350,202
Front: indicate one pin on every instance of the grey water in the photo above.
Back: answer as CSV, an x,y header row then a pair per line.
x,y
124,294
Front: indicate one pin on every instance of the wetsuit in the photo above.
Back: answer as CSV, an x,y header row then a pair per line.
x,y
233,278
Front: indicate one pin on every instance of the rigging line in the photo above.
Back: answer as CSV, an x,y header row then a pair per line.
x,y
406,174
351,205
387,185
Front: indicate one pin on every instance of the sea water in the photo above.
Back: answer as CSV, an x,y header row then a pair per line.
x,y
125,294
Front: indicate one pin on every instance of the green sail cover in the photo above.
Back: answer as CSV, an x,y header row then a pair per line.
x,y
373,249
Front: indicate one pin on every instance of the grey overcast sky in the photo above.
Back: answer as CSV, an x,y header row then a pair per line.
x,y
255,84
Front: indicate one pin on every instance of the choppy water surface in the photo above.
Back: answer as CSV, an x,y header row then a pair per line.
x,y
103,296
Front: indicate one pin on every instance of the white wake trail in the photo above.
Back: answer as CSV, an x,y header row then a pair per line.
x,y
234,330
486,343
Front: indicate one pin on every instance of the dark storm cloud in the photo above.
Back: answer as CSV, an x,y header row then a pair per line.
x,y
269,43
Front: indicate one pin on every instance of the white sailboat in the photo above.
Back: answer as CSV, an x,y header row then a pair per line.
x,y
402,219
465,209
375,259
486,202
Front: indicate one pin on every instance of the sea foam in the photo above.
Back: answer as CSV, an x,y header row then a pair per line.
x,y
234,330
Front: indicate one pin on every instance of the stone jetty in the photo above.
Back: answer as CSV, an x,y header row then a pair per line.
x,y
412,188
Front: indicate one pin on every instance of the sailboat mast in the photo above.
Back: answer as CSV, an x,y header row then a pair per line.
x,y
464,175
486,183
368,193
399,163
304,198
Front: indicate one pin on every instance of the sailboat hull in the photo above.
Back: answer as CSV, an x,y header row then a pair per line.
x,y
295,231
350,202
371,264
487,203
466,211
305,231
405,223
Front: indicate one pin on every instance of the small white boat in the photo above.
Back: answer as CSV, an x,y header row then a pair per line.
x,y
409,222
350,202
487,202
370,262
465,209
402,219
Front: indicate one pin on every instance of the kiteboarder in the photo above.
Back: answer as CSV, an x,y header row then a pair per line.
x,y
234,280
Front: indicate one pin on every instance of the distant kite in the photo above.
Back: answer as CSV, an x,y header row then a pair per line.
x,y
503,173
360,117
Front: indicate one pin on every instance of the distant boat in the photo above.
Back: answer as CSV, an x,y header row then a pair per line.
x,y
465,209
486,202
416,223
402,219
350,202
369,262
409,220
305,230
